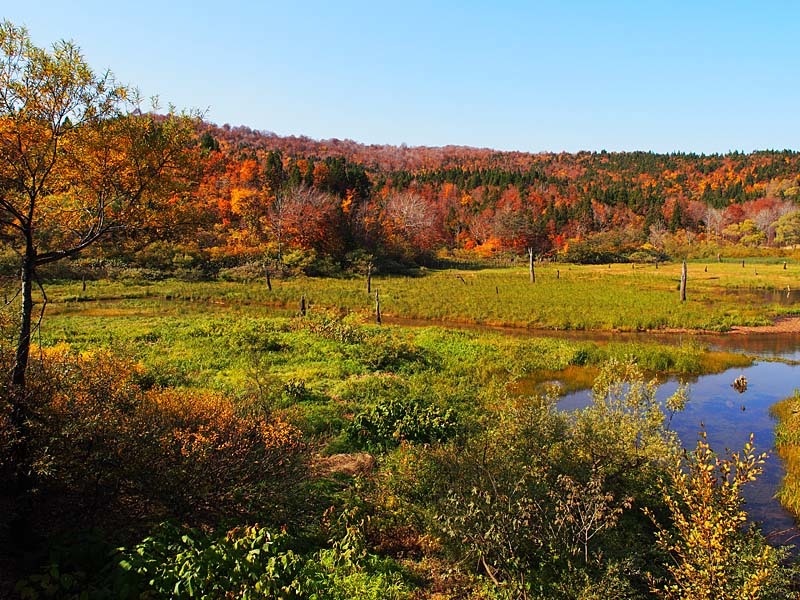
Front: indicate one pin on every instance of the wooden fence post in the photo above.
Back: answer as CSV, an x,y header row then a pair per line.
x,y
683,282
530,265
377,308
303,306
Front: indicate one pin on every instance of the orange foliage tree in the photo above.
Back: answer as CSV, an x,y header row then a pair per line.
x,y
79,161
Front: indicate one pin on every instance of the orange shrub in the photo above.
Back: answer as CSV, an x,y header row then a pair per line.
x,y
207,457
101,442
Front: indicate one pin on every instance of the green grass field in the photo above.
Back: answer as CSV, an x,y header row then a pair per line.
x,y
570,297
246,341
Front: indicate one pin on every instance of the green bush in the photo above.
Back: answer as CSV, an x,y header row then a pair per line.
x,y
397,420
250,562
588,253
543,501
247,562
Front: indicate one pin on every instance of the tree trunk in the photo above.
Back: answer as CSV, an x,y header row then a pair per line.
x,y
24,339
530,265
22,479
369,278
683,282
266,275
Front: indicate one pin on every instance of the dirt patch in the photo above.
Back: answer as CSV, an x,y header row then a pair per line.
x,y
359,463
781,325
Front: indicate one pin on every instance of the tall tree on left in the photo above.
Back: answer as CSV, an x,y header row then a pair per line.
x,y
79,160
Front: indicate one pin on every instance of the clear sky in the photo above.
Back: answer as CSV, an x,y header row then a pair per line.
x,y
699,76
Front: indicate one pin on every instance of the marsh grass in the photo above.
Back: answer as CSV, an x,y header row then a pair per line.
x,y
322,370
787,443
586,297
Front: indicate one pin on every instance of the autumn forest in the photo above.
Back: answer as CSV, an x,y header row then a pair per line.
x,y
324,206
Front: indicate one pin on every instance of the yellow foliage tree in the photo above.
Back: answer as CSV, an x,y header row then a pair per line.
x,y
713,554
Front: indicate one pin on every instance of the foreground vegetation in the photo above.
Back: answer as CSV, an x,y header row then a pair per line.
x,y
227,449
281,359
499,496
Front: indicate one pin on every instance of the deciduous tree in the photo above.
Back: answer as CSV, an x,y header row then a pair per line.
x,y
787,229
78,161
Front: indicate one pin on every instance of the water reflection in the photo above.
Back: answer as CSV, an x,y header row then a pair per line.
x,y
785,297
728,418
783,345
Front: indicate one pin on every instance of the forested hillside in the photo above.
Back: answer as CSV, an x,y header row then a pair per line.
x,y
319,206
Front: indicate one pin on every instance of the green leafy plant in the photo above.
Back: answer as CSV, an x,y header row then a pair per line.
x,y
247,562
394,420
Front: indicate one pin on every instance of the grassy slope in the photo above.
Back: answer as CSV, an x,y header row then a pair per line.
x,y
787,442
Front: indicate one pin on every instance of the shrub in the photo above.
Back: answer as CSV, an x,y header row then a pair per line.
x,y
544,498
102,441
589,253
492,504
395,420
712,553
247,562
251,562
210,461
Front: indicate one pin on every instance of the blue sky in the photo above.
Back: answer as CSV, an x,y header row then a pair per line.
x,y
701,76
